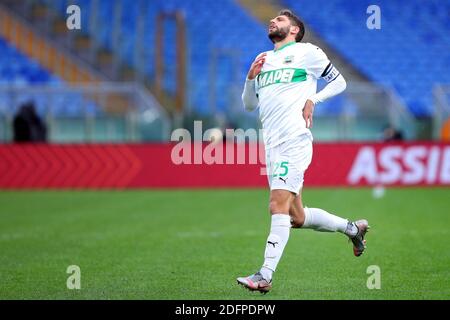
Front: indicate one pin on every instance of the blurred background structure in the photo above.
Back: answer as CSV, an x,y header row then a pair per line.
x,y
138,69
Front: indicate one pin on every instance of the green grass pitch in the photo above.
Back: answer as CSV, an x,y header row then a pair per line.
x,y
192,244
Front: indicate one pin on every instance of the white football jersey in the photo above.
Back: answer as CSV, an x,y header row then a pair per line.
x,y
287,79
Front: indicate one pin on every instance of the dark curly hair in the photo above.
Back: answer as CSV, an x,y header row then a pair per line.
x,y
295,21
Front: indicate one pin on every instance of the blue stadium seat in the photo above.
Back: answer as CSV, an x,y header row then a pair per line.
x,y
17,69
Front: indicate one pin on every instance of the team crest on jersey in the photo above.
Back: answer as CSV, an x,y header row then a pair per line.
x,y
288,59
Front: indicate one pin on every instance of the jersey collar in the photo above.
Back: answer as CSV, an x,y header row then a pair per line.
x,y
284,46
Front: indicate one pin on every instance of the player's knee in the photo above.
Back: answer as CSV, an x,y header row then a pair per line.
x,y
277,206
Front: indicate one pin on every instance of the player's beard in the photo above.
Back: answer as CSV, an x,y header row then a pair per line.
x,y
279,34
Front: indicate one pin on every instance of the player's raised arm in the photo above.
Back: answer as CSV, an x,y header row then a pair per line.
x,y
249,97
321,67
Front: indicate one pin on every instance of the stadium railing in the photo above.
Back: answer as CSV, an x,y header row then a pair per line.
x,y
125,112
105,112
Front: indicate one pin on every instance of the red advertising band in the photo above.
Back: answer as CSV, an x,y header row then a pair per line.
x,y
112,166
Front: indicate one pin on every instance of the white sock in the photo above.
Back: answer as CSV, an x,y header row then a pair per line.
x,y
320,220
277,240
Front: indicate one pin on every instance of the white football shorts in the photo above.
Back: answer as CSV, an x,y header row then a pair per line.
x,y
287,162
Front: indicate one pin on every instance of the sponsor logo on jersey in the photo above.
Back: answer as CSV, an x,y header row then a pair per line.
x,y
288,59
285,75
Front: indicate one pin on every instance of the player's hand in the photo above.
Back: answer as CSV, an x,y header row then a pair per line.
x,y
308,111
256,66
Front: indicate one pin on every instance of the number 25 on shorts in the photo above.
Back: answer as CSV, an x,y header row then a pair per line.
x,y
280,169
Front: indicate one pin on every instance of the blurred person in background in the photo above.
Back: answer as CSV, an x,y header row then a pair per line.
x,y
28,126
392,134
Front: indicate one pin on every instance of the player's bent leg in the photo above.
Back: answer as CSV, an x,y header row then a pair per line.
x,y
297,212
280,201
320,220
323,221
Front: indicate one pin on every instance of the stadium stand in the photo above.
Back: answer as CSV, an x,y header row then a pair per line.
x,y
16,68
201,40
408,53
406,59
20,70
408,64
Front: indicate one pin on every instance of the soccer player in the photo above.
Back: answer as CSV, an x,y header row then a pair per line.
x,y
283,84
